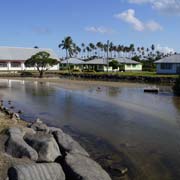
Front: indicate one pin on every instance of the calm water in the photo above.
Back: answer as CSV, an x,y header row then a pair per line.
x,y
144,127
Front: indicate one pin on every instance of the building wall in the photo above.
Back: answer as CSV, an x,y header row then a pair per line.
x,y
133,67
173,70
22,67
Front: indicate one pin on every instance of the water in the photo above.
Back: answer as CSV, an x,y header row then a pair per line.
x,y
143,128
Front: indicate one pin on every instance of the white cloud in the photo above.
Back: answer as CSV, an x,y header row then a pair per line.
x,y
165,50
165,6
154,26
100,29
129,17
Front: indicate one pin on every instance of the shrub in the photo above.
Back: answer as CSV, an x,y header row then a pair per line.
x,y
88,71
176,87
26,74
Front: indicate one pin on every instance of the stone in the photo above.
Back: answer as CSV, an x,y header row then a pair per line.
x,y
15,116
28,131
68,144
44,171
83,168
39,126
17,147
45,145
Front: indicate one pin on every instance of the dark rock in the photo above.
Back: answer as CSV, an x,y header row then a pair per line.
x,y
39,126
45,145
15,116
17,147
48,171
68,144
84,168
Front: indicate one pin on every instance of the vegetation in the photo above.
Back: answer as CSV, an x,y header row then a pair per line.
x,y
99,49
42,62
176,87
114,64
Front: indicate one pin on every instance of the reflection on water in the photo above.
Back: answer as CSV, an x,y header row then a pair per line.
x,y
143,127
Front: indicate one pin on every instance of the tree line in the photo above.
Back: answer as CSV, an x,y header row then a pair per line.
x,y
100,49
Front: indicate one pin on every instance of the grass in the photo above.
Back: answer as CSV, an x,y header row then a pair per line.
x,y
61,72
142,74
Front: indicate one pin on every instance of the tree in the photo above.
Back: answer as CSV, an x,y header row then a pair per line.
x,y
67,45
42,61
176,87
114,64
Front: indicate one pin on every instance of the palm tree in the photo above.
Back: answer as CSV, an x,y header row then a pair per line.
x,y
67,45
92,47
99,45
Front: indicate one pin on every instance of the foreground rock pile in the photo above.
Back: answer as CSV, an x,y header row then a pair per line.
x,y
54,155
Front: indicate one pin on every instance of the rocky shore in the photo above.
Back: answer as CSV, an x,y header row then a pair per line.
x,y
34,151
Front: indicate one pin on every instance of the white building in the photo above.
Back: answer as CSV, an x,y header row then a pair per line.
x,y
169,65
129,65
13,58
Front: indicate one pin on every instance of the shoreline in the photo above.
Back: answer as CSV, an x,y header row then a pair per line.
x,y
6,161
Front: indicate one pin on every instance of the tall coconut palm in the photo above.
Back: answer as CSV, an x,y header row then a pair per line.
x,y
67,45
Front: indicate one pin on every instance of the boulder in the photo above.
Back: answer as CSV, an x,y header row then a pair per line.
x,y
83,168
45,145
39,126
67,144
17,147
28,131
49,171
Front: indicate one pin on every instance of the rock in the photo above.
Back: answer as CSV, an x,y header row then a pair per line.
x,y
45,145
20,112
28,131
14,116
67,144
39,126
83,168
17,147
38,121
45,171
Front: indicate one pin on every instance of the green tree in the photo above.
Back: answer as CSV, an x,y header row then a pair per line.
x,y
67,45
114,64
42,61
176,87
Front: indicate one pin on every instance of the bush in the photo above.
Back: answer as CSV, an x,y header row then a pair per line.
x,y
76,70
88,71
176,87
26,74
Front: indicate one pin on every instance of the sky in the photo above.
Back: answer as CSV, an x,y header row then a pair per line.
x,y
45,23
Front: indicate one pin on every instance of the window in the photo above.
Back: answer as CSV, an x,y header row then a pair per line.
x,y
134,65
3,64
166,66
15,64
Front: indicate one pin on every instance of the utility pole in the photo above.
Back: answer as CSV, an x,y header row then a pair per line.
x,y
107,56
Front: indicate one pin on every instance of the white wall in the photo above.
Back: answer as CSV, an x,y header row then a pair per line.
x,y
10,68
131,67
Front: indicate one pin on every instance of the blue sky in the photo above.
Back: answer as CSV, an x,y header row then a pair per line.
x,y
46,23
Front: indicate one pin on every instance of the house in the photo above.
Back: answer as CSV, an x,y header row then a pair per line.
x,y
129,65
13,58
75,62
97,65
169,65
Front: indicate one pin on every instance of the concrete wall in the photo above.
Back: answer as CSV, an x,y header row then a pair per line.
x,y
173,70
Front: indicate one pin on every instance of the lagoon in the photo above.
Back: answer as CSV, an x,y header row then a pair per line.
x,y
141,130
